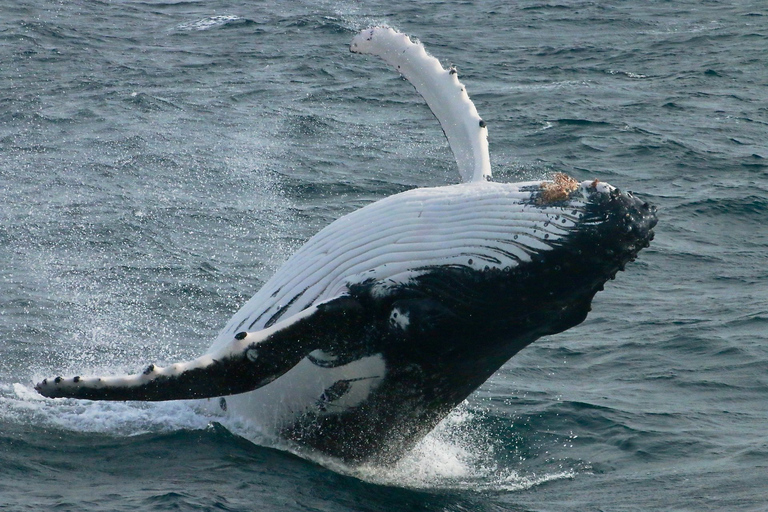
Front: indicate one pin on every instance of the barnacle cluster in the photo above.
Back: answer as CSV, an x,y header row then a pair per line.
x,y
559,189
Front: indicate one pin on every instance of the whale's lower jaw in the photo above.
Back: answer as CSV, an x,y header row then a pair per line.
x,y
463,325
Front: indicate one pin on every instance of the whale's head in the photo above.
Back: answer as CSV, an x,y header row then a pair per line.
x,y
593,230
512,245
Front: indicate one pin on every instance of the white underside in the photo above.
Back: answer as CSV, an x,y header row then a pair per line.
x,y
301,389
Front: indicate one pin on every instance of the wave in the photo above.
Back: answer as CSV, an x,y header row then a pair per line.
x,y
213,22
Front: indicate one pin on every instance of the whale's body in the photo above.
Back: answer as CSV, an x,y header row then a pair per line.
x,y
393,314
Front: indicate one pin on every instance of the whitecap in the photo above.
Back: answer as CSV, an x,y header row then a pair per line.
x,y
210,22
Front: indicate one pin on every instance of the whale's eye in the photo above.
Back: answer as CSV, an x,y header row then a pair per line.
x,y
252,354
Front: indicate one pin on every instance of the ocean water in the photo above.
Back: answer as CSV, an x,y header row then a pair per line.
x,y
159,160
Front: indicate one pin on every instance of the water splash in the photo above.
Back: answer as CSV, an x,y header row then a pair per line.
x,y
22,405
459,454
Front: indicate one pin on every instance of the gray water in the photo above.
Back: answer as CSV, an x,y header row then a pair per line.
x,y
159,160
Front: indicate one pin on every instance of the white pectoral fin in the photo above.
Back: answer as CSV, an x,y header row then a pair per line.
x,y
441,89
250,361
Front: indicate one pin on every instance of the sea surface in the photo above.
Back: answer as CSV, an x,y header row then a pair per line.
x,y
160,159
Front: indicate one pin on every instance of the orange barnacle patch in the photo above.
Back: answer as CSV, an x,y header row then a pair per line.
x,y
559,189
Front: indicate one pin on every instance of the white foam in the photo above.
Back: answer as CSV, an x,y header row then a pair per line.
x,y
456,455
22,404
209,22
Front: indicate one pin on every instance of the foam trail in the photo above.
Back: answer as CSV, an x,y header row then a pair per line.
x,y
441,89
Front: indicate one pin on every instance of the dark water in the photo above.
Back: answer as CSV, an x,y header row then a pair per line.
x,y
158,161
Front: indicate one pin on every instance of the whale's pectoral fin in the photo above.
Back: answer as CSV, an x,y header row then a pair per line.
x,y
251,360
446,96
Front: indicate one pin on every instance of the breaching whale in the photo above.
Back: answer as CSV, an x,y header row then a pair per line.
x,y
388,318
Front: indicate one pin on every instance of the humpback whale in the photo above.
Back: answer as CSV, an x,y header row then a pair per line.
x,y
389,317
